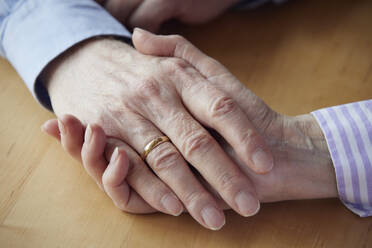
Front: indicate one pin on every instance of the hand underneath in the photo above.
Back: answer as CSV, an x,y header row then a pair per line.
x,y
303,166
150,14
108,161
136,98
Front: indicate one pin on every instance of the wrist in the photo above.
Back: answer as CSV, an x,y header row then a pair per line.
x,y
317,177
68,74
91,49
310,128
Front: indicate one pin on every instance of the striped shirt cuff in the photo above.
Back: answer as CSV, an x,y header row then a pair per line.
x,y
348,131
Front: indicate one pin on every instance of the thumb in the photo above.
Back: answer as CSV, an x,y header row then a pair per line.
x,y
176,46
151,44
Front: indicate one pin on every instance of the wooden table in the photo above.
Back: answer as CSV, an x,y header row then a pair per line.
x,y
298,57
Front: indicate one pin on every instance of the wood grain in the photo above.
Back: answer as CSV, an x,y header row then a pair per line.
x,y
298,57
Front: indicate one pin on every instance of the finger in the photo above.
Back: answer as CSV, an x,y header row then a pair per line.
x,y
116,187
110,178
145,183
121,194
200,149
224,114
221,203
121,10
215,109
203,152
92,153
172,169
72,133
176,46
95,163
152,13
50,127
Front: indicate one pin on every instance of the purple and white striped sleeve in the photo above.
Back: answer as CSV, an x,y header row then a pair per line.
x,y
348,131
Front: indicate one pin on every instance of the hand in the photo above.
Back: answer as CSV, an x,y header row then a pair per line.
x,y
111,177
136,98
150,14
303,167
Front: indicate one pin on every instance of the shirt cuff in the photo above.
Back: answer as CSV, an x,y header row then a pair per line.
x,y
37,31
348,131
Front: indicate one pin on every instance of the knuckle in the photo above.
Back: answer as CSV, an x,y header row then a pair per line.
x,y
137,171
182,46
148,88
135,165
179,63
174,65
155,194
222,106
122,205
136,168
178,38
164,157
197,141
250,138
191,199
107,181
227,180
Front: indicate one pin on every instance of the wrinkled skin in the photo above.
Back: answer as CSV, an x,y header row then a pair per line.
x,y
303,168
137,97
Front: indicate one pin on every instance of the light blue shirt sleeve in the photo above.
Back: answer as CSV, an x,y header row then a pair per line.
x,y
34,32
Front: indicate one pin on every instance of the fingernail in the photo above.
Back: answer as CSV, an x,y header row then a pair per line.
x,y
262,160
43,127
247,204
172,204
88,134
140,30
62,127
115,156
213,218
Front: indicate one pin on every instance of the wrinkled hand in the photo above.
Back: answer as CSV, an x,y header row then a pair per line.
x,y
136,98
150,14
303,167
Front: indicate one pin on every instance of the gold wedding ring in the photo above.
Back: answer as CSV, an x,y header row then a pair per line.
x,y
152,144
